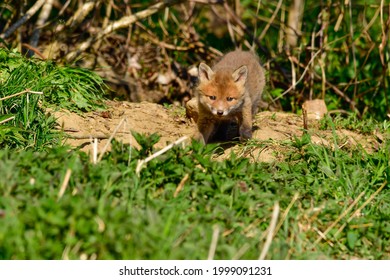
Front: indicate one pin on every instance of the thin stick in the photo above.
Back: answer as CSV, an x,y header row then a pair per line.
x,y
281,31
86,136
64,183
271,231
181,185
320,233
353,49
130,145
293,72
230,30
20,93
214,241
35,50
94,150
241,251
110,139
385,28
284,216
275,13
255,27
170,146
322,65
6,120
311,72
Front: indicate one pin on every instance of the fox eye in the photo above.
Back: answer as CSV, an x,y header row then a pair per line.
x,y
212,97
229,99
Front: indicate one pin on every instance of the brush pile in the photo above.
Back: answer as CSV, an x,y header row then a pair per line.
x,y
337,52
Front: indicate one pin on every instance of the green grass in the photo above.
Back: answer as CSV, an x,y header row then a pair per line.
x,y
27,86
352,122
73,88
108,212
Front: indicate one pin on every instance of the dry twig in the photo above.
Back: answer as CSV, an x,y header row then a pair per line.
x,y
7,120
64,183
271,231
110,139
141,163
20,93
214,241
181,185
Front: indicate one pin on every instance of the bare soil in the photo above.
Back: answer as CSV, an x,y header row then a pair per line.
x,y
272,130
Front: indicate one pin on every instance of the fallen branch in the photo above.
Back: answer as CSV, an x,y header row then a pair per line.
x,y
24,19
122,23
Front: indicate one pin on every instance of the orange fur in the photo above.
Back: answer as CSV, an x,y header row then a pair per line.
x,y
229,91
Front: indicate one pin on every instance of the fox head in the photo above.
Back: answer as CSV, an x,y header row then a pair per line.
x,y
221,91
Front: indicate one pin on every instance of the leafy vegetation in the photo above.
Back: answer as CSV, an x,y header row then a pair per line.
x,y
71,87
27,86
108,212
56,204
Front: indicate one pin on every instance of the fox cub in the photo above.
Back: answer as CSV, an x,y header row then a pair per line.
x,y
229,91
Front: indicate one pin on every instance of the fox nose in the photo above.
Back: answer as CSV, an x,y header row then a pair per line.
x,y
219,112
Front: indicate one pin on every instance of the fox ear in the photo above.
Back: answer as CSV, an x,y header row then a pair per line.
x,y
205,72
240,75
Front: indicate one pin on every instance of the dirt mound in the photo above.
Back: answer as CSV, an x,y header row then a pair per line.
x,y
124,117
271,129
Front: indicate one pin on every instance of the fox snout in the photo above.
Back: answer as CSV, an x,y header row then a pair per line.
x,y
219,112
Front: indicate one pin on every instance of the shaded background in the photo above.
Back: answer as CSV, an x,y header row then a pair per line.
x,y
149,50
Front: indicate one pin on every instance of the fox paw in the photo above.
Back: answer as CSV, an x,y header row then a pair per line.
x,y
245,134
199,137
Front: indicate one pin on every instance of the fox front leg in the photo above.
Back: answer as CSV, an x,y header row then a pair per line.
x,y
245,122
205,129
245,132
